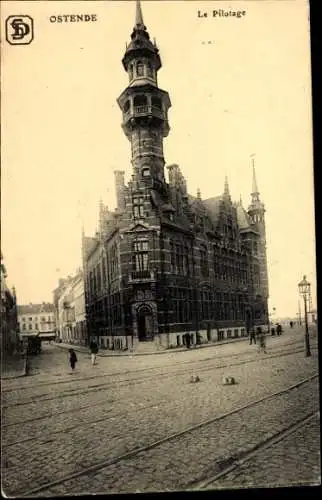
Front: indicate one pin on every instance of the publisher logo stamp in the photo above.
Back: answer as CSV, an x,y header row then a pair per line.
x,y
19,30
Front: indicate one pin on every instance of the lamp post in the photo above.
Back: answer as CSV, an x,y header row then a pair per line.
x,y
304,289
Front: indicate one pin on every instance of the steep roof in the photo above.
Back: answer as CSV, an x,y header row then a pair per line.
x,y
213,208
45,307
242,217
89,244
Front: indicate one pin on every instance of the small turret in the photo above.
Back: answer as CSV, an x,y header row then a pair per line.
x,y
226,188
120,189
256,209
256,212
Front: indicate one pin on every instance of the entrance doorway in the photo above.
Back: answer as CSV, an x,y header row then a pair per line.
x,y
145,323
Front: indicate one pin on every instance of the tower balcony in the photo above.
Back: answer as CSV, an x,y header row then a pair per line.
x,y
143,276
144,111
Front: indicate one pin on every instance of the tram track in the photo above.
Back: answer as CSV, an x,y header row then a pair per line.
x,y
228,466
125,382
133,453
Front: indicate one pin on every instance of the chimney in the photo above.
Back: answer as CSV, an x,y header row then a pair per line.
x,y
119,189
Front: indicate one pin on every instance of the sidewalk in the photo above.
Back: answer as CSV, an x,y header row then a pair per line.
x,y
14,366
109,353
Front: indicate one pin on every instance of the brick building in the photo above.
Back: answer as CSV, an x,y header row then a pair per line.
x,y
9,337
166,263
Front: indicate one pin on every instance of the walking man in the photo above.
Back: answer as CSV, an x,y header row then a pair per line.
x,y
252,337
262,341
72,359
94,350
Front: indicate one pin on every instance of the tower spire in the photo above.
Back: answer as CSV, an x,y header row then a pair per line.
x,y
138,16
255,188
226,187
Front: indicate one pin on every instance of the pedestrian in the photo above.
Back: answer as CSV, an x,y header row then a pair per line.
x,y
279,329
252,337
94,351
262,342
188,341
72,359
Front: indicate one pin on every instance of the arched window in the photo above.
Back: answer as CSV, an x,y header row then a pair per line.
x,y
139,68
149,70
145,172
140,100
204,260
131,71
156,102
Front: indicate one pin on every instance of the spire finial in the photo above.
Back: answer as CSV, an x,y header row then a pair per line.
x,y
138,15
226,188
198,194
255,188
240,199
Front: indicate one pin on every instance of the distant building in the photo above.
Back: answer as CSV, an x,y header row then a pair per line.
x,y
8,318
165,263
69,302
312,317
36,318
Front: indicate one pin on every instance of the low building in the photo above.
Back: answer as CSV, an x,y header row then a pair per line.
x,y
69,302
9,324
36,318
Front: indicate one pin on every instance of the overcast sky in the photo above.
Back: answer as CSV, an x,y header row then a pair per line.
x,y
238,87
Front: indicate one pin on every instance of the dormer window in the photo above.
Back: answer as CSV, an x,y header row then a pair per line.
x,y
139,68
138,207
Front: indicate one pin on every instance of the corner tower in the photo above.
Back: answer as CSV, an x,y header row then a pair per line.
x,y
144,106
256,212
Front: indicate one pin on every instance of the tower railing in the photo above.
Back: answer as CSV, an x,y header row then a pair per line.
x,y
144,110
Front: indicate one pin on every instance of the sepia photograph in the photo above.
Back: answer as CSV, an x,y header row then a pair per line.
x,y
159,323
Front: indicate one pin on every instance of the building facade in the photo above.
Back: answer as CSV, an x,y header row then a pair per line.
x,y
8,321
166,263
36,318
69,299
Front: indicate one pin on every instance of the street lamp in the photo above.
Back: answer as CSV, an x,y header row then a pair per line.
x,y
304,289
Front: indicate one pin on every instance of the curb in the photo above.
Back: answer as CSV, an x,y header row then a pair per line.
x,y
165,351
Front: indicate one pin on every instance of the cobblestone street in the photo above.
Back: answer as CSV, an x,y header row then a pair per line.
x,y
68,433
298,452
